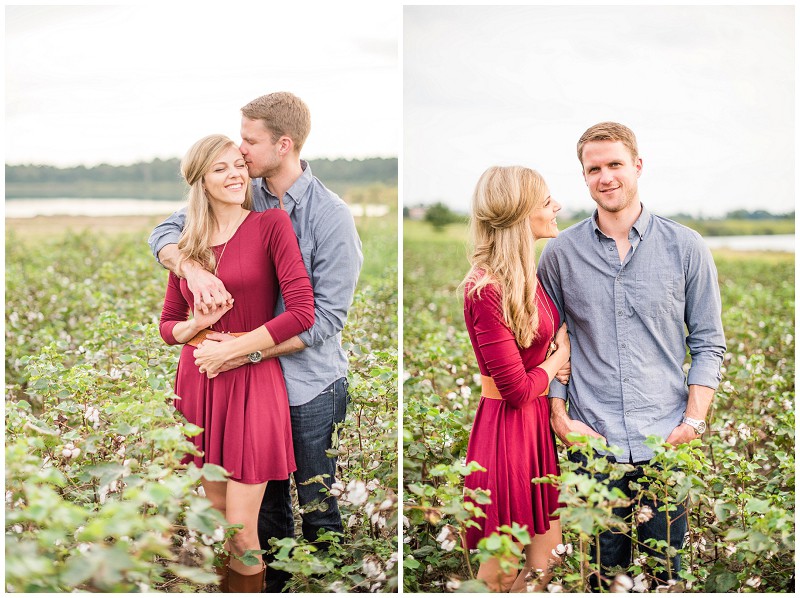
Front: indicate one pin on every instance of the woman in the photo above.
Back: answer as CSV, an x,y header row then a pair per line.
x,y
244,412
512,324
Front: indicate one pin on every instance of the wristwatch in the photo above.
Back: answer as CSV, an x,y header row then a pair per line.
x,y
254,357
699,425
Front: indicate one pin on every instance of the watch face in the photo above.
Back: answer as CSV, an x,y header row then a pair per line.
x,y
701,427
254,357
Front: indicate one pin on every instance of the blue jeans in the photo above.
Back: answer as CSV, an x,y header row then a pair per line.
x,y
616,549
313,426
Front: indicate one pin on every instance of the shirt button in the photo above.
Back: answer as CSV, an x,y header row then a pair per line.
x,y
619,313
622,345
624,379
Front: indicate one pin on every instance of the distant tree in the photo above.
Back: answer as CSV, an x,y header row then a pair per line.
x,y
405,212
439,215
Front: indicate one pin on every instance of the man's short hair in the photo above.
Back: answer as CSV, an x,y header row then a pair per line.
x,y
609,131
283,113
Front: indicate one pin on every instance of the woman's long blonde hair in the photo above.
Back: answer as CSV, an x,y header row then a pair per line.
x,y
503,251
195,241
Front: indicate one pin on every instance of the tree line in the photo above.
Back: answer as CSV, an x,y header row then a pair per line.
x,y
159,177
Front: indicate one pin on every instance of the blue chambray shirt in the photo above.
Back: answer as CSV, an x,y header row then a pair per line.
x,y
626,326
331,249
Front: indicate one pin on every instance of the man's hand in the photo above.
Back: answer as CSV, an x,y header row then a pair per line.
x,y
208,290
231,364
563,425
682,434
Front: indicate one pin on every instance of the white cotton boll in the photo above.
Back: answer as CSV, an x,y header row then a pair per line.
x,y
443,535
459,381
466,392
357,492
386,504
640,583
337,488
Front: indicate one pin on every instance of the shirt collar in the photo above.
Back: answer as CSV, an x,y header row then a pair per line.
x,y
298,189
640,226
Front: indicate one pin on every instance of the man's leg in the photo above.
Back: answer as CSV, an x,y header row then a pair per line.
x,y
614,548
313,427
659,529
275,520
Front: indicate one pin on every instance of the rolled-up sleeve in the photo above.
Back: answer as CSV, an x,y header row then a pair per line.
x,y
334,273
703,317
167,232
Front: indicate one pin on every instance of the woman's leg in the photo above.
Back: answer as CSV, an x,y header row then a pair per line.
x,y
496,579
242,505
215,492
539,555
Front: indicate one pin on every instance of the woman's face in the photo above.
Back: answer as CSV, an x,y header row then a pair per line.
x,y
543,219
226,181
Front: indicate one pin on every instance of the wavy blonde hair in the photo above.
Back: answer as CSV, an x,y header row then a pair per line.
x,y
195,241
503,251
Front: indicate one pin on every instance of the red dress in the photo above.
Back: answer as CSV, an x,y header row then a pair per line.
x,y
244,412
511,437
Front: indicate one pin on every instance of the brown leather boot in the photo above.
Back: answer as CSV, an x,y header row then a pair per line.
x,y
222,571
245,584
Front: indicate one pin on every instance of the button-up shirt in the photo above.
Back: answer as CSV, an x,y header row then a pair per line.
x,y
331,252
626,326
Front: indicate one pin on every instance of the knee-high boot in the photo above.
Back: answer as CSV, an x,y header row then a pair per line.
x,y
246,584
222,571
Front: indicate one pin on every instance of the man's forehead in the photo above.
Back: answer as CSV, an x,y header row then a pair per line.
x,y
254,125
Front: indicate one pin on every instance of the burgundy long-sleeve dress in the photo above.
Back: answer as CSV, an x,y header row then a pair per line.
x,y
244,412
511,437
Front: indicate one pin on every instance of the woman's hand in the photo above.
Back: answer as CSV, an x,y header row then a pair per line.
x,y
210,356
563,374
212,317
562,341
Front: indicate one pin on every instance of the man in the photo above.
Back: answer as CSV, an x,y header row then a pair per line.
x,y
274,128
627,281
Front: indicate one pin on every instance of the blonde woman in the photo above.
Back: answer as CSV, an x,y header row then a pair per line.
x,y
244,412
514,329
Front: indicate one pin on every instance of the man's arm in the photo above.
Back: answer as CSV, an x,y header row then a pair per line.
x,y
291,345
208,290
548,273
700,399
706,338
334,273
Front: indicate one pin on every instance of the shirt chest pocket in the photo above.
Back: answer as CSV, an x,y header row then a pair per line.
x,y
654,294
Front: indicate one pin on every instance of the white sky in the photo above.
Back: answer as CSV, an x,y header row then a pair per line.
x,y
709,92
119,84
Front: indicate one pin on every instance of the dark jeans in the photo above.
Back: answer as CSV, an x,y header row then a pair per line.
x,y
312,432
616,549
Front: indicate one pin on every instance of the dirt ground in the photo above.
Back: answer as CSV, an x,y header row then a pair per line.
x,y
50,225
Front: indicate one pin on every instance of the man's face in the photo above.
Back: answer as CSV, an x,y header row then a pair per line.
x,y
259,151
611,174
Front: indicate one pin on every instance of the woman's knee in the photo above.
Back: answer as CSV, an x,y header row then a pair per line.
x,y
245,538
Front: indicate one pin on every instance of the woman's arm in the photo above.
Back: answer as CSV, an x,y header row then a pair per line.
x,y
174,326
280,243
501,355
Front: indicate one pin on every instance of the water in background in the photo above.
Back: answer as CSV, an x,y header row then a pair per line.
x,y
29,208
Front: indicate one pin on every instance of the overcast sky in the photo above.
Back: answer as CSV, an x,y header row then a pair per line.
x,y
709,92
118,84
